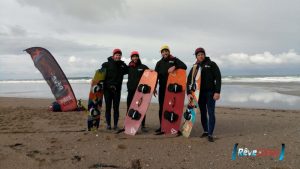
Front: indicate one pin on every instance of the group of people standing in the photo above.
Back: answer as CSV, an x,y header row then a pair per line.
x,y
116,69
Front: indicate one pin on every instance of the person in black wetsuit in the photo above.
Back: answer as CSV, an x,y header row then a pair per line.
x,y
115,70
168,63
135,72
209,91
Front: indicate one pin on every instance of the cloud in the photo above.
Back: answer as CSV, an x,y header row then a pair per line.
x,y
12,31
260,59
243,37
89,11
17,67
265,63
76,64
73,59
17,30
16,39
221,27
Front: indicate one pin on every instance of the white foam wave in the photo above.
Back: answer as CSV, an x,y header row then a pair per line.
x,y
75,81
226,79
271,79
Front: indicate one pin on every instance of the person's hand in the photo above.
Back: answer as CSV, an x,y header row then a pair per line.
x,y
216,96
171,69
155,93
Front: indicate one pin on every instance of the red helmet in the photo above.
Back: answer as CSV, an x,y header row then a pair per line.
x,y
134,53
117,50
198,50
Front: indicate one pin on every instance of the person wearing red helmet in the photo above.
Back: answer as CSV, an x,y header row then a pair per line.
x,y
135,72
115,70
209,91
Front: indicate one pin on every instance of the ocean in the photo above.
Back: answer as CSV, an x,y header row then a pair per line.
x,y
270,92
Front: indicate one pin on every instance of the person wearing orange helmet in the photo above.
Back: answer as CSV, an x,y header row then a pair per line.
x,y
135,72
115,70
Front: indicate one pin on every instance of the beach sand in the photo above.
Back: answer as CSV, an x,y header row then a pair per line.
x,y
32,137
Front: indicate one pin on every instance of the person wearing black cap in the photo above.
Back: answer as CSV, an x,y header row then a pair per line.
x,y
167,64
135,72
209,91
115,70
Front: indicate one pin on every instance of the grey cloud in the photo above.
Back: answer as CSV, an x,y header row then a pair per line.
x,y
18,31
96,26
15,30
16,64
86,11
225,27
259,64
238,25
16,45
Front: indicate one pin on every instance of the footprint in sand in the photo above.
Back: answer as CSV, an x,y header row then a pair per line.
x,y
122,146
102,165
16,146
76,158
33,153
53,140
136,164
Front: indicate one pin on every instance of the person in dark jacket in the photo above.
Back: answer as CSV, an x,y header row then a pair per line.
x,y
135,72
115,70
209,91
168,63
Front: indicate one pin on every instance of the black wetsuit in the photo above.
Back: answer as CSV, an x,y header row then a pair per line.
x,y
135,73
161,68
210,84
115,70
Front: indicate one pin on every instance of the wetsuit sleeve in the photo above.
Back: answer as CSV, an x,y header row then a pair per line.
x,y
146,67
189,83
179,64
125,69
104,65
217,77
157,67
157,70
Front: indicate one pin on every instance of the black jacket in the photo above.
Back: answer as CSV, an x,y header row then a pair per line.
x,y
162,67
115,70
210,77
135,72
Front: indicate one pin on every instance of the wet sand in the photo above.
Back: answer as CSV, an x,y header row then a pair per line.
x,y
32,137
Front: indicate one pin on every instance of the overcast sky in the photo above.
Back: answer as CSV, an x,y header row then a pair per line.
x,y
241,36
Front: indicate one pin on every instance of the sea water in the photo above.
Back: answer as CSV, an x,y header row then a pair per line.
x,y
237,91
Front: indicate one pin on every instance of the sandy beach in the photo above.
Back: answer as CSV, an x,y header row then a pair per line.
x,y
32,137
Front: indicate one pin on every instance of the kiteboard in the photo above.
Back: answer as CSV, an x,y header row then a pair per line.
x,y
95,99
173,102
140,102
